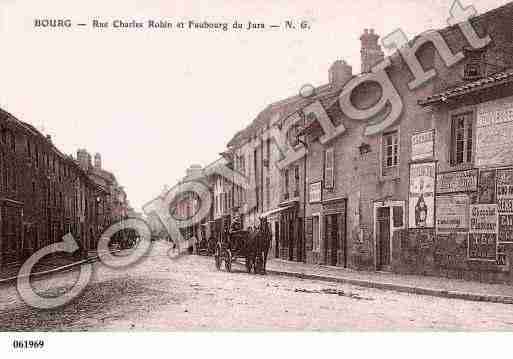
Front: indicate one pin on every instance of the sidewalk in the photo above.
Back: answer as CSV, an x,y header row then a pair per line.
x,y
47,265
425,285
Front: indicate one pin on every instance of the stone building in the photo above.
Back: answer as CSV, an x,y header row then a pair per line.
x,y
451,131
116,202
44,194
404,167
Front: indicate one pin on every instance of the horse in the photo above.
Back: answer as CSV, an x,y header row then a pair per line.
x,y
257,247
263,244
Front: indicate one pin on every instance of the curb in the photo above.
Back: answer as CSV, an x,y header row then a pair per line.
x,y
400,288
64,268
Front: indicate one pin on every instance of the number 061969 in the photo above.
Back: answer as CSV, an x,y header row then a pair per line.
x,y
28,344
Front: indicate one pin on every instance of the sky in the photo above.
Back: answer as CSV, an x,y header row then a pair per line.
x,y
153,102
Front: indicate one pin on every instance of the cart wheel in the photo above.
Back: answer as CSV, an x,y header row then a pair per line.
x,y
228,261
217,257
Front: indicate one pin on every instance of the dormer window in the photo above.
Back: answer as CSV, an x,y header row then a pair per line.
x,y
474,68
473,71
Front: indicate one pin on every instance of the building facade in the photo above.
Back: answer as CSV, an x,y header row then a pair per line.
x,y
428,192
44,194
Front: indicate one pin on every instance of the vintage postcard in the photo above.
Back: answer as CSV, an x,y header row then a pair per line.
x,y
241,166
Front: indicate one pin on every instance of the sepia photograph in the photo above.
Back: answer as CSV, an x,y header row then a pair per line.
x,y
225,175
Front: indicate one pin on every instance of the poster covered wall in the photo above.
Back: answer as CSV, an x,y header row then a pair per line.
x,y
422,195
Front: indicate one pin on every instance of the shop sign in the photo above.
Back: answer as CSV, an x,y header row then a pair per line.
x,y
482,239
315,192
452,213
494,131
505,190
457,181
422,195
422,145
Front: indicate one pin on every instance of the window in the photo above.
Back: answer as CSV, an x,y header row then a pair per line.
x,y
2,170
268,150
296,178
390,150
461,142
9,140
286,183
268,191
329,161
12,141
29,148
36,156
474,69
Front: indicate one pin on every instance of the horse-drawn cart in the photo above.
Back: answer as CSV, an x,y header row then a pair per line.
x,y
232,247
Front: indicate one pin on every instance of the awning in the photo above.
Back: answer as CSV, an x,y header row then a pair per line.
x,y
274,211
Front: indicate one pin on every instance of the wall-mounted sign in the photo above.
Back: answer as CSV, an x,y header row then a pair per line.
x,y
315,192
422,145
422,195
505,228
482,239
494,131
452,213
457,181
486,190
505,190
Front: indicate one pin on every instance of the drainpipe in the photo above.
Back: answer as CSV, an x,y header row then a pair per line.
x,y
303,251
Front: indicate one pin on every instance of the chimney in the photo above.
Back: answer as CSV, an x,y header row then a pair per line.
x,y
98,161
340,72
49,138
371,53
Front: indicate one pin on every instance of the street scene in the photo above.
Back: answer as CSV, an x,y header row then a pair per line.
x,y
190,294
360,183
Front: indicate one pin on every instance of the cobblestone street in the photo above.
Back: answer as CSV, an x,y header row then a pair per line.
x,y
190,294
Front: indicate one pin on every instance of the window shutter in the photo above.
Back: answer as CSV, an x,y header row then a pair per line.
x,y
453,141
329,170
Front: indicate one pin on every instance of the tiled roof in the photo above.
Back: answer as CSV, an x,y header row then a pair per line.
x,y
490,81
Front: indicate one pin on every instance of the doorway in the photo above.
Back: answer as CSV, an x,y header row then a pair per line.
x,y
383,237
334,234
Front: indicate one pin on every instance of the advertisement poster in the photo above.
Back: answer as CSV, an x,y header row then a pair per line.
x,y
482,239
494,131
505,190
457,181
486,190
422,145
422,195
505,228
452,213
